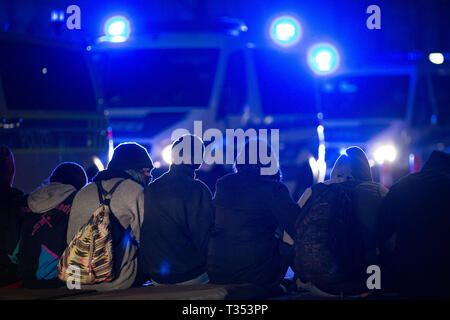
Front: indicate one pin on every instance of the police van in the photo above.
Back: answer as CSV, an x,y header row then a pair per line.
x,y
157,82
59,100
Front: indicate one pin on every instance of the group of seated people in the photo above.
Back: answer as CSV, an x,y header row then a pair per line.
x,y
249,232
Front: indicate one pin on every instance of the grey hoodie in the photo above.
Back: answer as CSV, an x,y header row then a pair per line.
x,y
49,196
127,204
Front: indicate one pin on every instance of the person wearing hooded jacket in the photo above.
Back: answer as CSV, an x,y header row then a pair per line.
x,y
367,195
10,202
414,232
178,220
353,165
44,227
129,170
253,212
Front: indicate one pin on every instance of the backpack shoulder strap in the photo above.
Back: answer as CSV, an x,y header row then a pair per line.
x,y
317,189
102,193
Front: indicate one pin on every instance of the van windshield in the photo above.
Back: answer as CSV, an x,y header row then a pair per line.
x,y
365,96
285,85
37,76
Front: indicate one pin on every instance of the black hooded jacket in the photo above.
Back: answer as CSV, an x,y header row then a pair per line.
x,y
178,218
417,211
11,200
249,209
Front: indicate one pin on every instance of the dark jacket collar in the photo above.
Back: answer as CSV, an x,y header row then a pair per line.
x,y
182,169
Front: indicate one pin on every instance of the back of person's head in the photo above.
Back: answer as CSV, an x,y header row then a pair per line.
x,y
7,166
130,155
69,173
352,165
439,161
188,150
249,159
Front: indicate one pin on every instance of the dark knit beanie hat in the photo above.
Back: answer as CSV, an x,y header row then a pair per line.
x,y
69,173
7,167
130,155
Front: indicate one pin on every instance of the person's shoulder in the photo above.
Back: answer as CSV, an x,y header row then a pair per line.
x,y
17,197
382,190
201,186
86,189
405,183
226,182
228,177
158,182
11,192
278,185
127,188
17,192
84,192
326,185
13,197
273,188
372,186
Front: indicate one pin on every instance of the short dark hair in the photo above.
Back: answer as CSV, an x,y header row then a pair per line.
x,y
69,173
193,139
244,156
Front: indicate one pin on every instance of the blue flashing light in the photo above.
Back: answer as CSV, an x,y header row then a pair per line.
x,y
54,16
117,29
436,58
285,31
57,16
323,58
